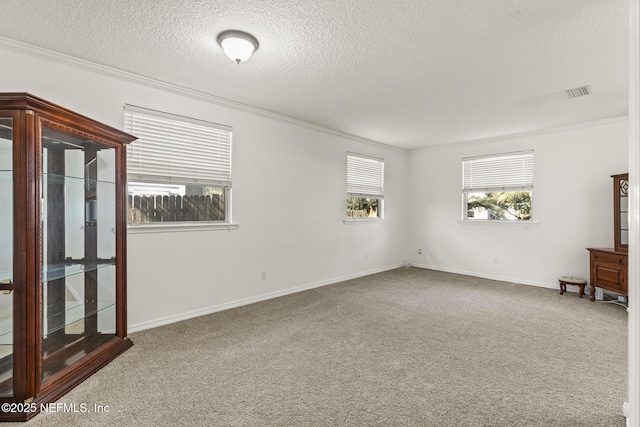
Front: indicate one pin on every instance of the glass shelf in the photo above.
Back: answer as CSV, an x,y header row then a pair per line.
x,y
60,271
6,332
52,178
75,311
6,275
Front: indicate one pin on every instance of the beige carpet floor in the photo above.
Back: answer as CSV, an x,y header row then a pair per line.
x,y
407,347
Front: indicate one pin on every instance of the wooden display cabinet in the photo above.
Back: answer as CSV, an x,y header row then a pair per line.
x,y
621,212
62,251
608,267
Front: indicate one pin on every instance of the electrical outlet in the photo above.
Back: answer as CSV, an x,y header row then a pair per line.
x,y
263,275
419,251
495,260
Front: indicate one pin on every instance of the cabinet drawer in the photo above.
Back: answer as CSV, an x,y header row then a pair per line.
x,y
604,257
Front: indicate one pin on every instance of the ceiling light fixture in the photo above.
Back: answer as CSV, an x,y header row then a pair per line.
x,y
237,45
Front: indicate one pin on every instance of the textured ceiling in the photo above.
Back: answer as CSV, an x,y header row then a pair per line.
x,y
409,73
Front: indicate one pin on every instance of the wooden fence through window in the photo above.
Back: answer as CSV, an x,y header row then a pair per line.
x,y
176,208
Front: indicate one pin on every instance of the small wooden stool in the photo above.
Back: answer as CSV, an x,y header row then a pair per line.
x,y
570,280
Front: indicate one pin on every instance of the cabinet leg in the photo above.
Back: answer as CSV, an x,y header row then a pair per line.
x,y
592,293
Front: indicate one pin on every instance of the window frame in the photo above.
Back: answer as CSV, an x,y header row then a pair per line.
x,y
365,180
198,136
509,172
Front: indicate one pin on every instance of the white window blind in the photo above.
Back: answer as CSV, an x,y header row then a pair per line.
x,y
503,172
365,176
177,150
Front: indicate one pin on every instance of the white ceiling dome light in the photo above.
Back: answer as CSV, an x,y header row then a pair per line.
x,y
237,45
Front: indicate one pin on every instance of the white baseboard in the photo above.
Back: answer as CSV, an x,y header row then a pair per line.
x,y
246,301
488,276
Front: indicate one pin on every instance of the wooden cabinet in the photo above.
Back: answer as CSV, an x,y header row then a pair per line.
x,y
608,271
63,251
608,267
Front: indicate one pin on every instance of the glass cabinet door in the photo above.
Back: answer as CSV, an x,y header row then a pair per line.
x,y
6,256
78,248
624,212
621,211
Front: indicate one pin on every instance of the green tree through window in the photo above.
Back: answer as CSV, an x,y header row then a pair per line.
x,y
511,205
360,207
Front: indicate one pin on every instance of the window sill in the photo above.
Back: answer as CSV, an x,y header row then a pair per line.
x,y
170,228
362,220
526,224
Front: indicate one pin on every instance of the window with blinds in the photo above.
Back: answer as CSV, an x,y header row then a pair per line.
x,y
179,169
365,186
498,187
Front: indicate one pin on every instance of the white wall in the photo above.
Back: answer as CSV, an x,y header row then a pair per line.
x,y
572,206
289,196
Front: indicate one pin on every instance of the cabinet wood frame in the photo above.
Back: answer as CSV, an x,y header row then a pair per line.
x,y
29,115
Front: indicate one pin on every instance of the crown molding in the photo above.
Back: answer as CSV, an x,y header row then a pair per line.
x,y
554,129
35,51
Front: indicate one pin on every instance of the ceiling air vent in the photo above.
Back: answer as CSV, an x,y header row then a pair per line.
x,y
579,91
